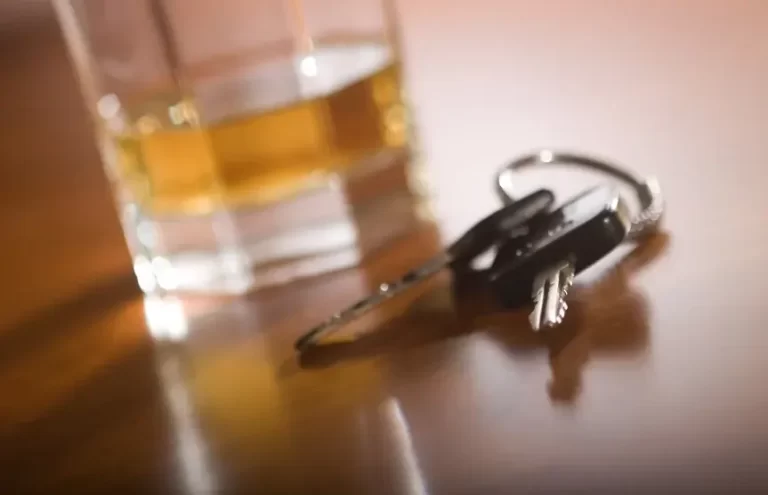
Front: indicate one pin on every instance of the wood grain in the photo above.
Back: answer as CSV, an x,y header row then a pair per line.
x,y
655,384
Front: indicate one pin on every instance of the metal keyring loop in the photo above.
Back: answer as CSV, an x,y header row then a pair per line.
x,y
647,221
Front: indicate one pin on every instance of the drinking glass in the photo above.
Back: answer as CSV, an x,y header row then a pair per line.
x,y
247,142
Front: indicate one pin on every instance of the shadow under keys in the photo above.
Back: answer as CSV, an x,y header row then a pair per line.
x,y
606,318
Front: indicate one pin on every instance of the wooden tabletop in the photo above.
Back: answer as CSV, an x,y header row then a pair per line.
x,y
657,382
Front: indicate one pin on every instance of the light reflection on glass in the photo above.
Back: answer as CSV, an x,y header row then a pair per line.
x,y
166,318
164,272
108,107
145,231
142,267
308,66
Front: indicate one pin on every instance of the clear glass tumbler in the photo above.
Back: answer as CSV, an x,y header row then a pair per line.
x,y
248,142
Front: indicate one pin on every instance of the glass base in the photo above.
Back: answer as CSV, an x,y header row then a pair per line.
x,y
332,226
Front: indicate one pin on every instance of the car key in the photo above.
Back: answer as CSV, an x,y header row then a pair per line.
x,y
573,238
509,222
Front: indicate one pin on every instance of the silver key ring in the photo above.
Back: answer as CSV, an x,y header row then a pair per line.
x,y
647,221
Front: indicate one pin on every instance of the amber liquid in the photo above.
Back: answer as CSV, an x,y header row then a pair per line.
x,y
263,136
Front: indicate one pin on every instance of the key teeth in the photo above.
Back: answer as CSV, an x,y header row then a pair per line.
x,y
563,274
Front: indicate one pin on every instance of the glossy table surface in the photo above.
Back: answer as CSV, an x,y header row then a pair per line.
x,y
657,381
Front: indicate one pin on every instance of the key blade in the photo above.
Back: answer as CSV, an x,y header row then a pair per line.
x,y
538,304
560,287
385,292
552,305
549,291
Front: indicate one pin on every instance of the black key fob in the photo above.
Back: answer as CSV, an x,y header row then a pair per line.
x,y
580,232
510,221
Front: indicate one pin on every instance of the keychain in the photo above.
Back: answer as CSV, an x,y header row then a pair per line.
x,y
647,221
577,235
539,251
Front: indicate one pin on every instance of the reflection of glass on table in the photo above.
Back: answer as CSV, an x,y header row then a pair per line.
x,y
248,143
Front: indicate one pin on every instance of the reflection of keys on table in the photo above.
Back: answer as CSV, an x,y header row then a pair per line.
x,y
511,220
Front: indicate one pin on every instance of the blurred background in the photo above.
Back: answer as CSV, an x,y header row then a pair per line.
x,y
638,81
60,228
